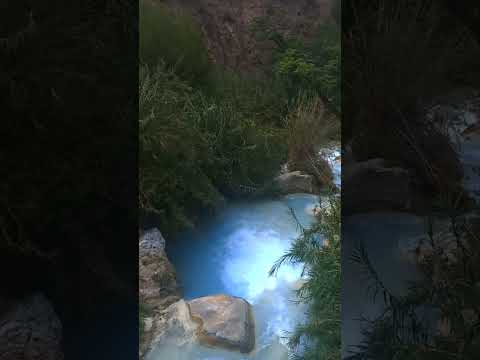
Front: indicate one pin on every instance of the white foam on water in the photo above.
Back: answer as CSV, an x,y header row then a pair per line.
x,y
333,157
249,256
233,255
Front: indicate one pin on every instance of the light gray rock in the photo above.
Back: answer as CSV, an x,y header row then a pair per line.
x,y
30,330
151,242
225,321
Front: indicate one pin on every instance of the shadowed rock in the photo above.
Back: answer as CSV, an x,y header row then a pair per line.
x,y
30,330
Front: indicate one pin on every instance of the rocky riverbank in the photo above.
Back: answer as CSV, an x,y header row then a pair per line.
x,y
216,321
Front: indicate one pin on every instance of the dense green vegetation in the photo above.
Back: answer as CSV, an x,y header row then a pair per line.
x,y
318,248
202,130
205,130
312,66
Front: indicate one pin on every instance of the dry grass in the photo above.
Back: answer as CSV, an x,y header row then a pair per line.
x,y
310,127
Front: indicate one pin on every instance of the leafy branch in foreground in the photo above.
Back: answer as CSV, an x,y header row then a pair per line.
x,y
318,248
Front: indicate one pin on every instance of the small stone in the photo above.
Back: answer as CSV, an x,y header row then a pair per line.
x,y
151,242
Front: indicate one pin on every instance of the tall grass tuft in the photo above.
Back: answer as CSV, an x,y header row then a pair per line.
x,y
193,147
310,127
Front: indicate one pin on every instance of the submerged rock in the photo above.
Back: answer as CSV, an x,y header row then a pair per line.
x,y
30,329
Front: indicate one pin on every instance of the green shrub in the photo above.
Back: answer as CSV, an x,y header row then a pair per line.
x,y
314,66
320,336
193,145
171,150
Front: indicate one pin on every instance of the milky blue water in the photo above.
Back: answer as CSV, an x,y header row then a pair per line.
x,y
233,253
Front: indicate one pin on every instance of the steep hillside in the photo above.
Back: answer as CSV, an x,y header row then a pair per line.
x,y
231,27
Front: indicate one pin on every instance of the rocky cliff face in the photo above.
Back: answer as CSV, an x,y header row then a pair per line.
x,y
157,281
228,26
173,323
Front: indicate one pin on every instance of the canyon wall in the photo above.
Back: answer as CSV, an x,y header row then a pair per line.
x,y
228,26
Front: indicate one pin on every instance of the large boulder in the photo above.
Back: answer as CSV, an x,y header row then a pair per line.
x,y
295,182
30,330
174,326
372,185
215,321
225,321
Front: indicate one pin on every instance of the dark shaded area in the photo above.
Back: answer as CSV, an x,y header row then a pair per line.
x,y
398,59
68,195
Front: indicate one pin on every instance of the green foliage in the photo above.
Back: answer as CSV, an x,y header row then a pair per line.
x,y
265,99
314,66
173,38
296,69
192,146
169,149
318,248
